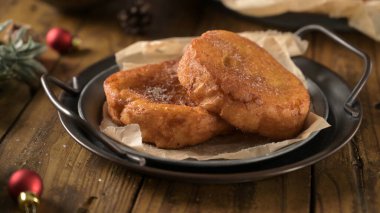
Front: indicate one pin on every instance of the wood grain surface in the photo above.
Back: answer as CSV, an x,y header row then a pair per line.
x,y
76,180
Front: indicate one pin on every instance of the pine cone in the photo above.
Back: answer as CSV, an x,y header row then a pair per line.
x,y
134,20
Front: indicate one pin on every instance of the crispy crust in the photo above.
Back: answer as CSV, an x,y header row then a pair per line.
x,y
232,76
152,97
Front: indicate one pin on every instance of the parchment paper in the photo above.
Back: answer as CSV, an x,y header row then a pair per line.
x,y
233,146
362,15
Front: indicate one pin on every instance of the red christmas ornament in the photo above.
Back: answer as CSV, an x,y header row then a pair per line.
x,y
24,180
25,186
61,40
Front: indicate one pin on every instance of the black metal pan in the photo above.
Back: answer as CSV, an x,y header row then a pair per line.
x,y
345,117
293,21
296,20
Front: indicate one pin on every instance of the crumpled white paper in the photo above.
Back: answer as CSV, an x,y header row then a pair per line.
x,y
235,146
362,15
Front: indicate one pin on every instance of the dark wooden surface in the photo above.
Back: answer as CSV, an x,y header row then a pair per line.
x,y
76,180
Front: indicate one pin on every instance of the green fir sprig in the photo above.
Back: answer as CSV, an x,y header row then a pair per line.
x,y
17,57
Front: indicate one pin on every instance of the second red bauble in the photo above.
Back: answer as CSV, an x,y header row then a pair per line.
x,y
61,40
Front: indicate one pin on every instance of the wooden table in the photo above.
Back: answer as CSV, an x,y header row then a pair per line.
x,y
76,180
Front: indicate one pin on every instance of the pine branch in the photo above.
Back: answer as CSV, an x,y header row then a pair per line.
x,y
17,57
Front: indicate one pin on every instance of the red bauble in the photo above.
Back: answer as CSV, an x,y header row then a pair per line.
x,y
60,40
24,180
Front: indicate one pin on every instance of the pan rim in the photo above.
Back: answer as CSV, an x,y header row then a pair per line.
x,y
244,176
208,163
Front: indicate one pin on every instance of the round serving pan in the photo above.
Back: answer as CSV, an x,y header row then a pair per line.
x,y
344,125
325,143
91,100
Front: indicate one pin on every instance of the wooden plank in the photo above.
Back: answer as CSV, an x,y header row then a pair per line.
x,y
13,98
286,193
348,180
72,176
14,95
365,147
74,179
272,195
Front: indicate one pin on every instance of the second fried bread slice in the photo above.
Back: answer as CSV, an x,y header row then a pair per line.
x,y
152,97
235,78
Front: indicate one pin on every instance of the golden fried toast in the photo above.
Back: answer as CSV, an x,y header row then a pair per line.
x,y
152,97
235,78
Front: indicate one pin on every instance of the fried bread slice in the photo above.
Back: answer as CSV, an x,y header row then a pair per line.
x,y
152,97
235,78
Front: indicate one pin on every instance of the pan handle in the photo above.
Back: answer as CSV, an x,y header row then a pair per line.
x,y
110,143
351,100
